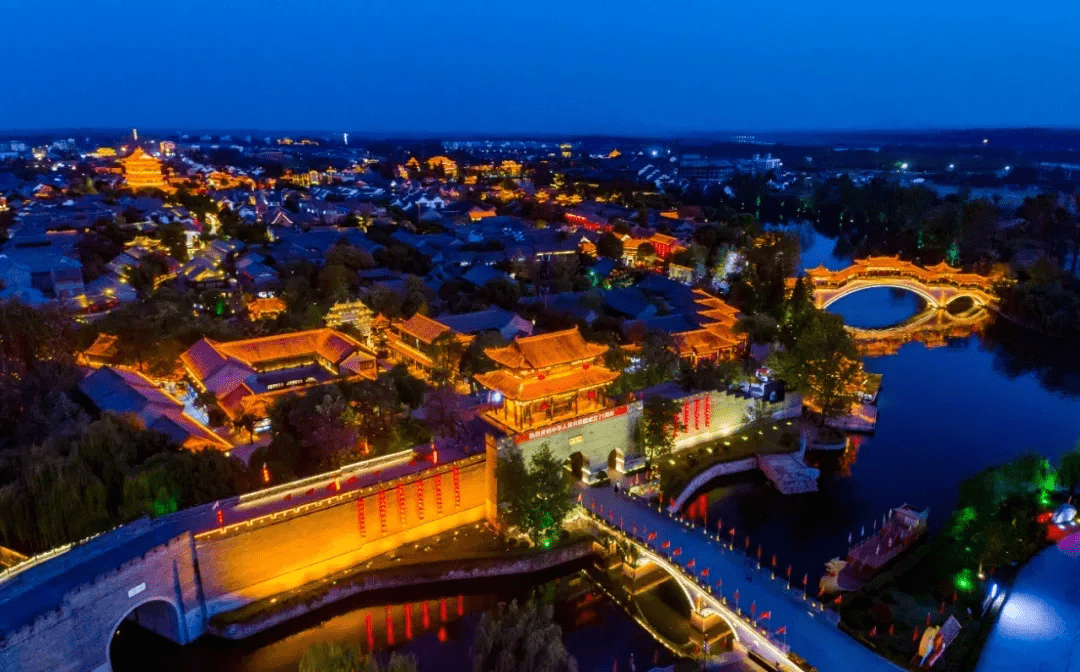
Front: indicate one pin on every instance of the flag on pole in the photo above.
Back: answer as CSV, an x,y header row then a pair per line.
x,y
839,599
690,565
789,571
736,594
849,538
705,572
873,630
732,532
765,615
753,607
666,544
782,630
759,551
805,579
652,535
774,560
677,551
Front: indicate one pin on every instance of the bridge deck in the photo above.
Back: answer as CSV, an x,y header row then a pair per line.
x,y
809,632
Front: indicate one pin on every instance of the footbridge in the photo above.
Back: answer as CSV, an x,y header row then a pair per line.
x,y
768,617
938,285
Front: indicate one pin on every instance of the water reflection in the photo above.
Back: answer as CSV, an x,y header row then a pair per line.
x,y
944,413
439,628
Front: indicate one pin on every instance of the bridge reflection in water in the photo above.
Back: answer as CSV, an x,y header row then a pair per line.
x,y
933,327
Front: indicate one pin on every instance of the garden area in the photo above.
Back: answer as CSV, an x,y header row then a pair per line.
x,y
1000,522
770,438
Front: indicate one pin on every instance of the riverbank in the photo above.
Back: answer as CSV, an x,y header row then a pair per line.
x,y
394,571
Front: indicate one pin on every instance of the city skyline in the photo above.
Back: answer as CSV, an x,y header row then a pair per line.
x,y
499,69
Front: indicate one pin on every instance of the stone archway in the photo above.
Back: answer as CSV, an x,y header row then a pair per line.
x,y
615,461
157,615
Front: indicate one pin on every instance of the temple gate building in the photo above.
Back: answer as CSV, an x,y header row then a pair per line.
x,y
546,379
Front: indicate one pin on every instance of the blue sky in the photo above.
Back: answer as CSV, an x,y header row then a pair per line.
x,y
559,66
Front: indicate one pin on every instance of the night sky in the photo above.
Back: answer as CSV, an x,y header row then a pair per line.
x,y
560,66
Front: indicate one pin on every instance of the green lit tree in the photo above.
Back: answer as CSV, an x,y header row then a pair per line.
x,y
536,498
1069,473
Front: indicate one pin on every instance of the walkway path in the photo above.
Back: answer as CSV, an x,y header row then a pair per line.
x,y
810,633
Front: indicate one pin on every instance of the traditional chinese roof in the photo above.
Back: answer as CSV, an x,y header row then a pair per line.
x,y
423,328
532,389
546,350
127,392
702,342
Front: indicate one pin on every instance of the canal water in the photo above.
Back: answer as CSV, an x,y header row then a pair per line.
x,y
943,414
596,631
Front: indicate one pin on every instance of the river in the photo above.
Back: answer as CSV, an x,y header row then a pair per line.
x,y
943,414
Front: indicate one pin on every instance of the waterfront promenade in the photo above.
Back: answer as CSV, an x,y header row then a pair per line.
x,y
809,631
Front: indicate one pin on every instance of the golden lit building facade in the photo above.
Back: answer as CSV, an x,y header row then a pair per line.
x,y
717,339
142,171
247,376
546,379
412,343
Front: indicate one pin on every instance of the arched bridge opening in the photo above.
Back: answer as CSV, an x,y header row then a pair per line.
x,y
143,626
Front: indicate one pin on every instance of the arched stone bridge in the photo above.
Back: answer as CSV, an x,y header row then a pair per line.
x,y
938,285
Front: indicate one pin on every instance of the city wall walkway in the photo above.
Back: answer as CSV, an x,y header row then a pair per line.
x,y
810,632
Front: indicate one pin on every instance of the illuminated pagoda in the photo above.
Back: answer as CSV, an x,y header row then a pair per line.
x,y
546,379
142,171
412,342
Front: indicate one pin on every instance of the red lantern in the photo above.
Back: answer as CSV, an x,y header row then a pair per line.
x,y
585,366
420,499
438,493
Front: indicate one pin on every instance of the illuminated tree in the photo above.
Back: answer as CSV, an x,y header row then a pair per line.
x,y
536,498
655,431
447,350
823,364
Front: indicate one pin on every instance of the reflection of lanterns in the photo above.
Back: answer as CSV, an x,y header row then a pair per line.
x,y
265,473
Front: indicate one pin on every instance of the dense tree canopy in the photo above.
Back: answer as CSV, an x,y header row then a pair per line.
x,y
520,639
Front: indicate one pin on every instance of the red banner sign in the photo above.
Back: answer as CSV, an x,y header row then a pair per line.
x,y
569,424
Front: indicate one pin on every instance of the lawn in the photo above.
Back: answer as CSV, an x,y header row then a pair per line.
x,y
768,438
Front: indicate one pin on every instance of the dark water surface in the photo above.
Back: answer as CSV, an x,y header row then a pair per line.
x,y
596,631
943,415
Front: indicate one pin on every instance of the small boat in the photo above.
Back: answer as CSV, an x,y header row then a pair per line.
x,y
903,527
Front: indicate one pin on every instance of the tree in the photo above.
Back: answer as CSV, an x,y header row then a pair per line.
x,y
655,433
1069,473
823,363
646,253
520,639
446,353
331,657
442,413
608,245
538,498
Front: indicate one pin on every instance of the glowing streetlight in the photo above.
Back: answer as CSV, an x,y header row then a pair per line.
x,y
904,166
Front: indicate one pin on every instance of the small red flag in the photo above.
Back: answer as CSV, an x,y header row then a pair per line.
x,y
839,599
782,630
789,571
690,565
892,629
805,578
736,594
915,634
753,607
705,572
765,615
759,551
666,544
873,631
677,551
652,535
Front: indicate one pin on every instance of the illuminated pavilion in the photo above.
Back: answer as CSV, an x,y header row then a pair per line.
x,y
247,376
716,340
142,171
546,379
